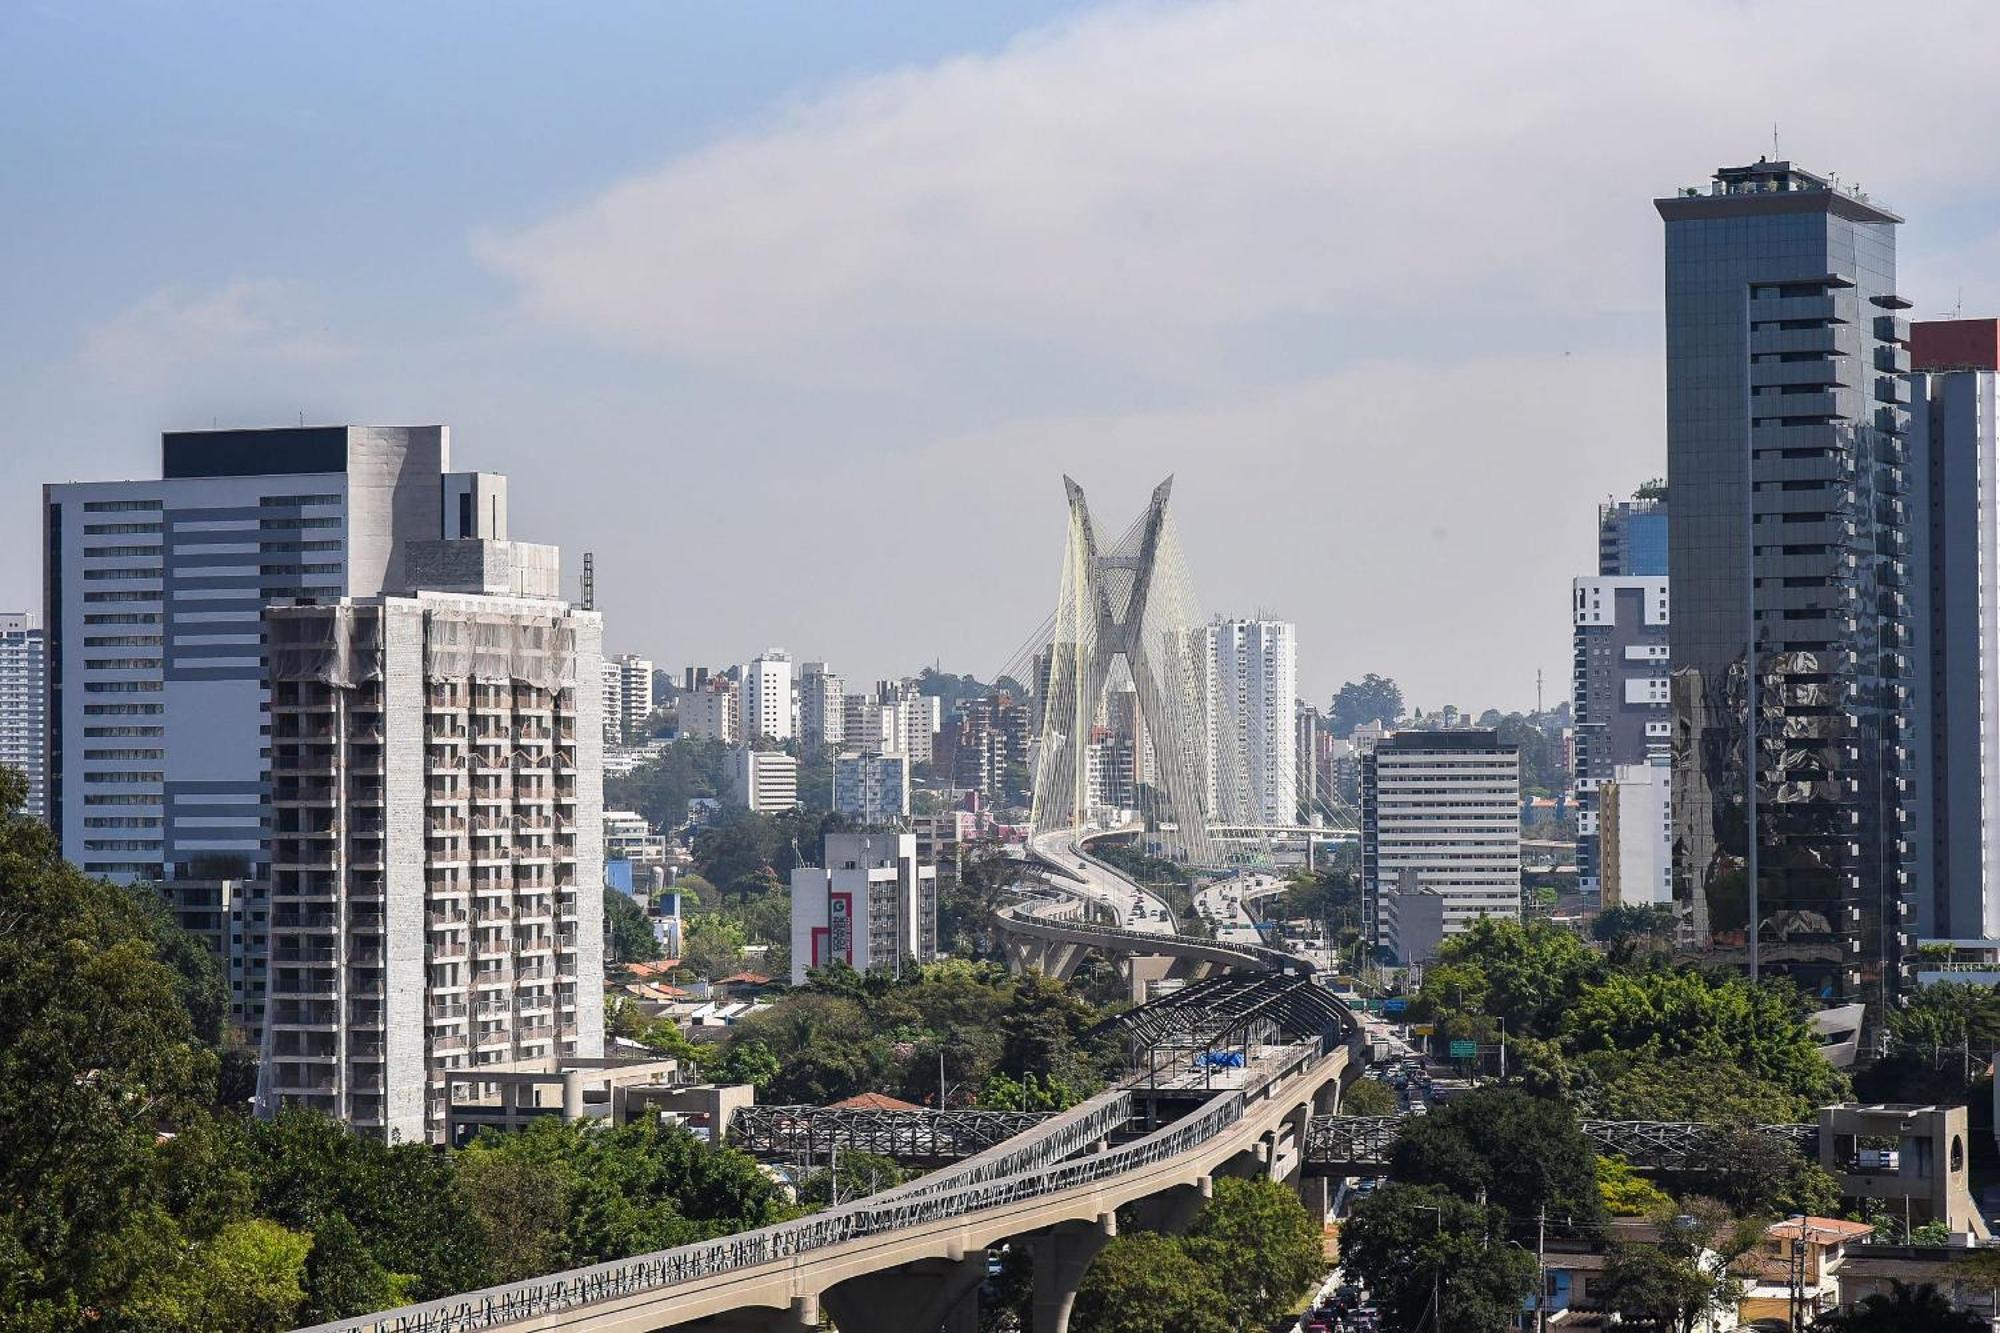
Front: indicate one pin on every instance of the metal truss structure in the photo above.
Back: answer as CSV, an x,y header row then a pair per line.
x,y
1131,606
1357,1143
814,1133
1231,1011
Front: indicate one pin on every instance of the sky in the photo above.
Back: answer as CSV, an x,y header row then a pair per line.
x,y
795,314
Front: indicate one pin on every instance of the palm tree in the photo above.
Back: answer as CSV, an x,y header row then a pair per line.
x,y
1904,1309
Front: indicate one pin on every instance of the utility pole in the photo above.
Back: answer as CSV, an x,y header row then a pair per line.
x,y
1541,1262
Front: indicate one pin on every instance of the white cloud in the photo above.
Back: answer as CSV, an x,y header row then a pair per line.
x,y
246,323
1149,189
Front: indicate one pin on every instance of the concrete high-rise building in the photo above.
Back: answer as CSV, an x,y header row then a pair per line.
x,y
764,782
909,719
1441,810
822,711
437,857
1632,536
1252,670
1620,692
24,707
767,696
1955,702
1635,825
709,711
871,789
628,698
153,597
1790,562
872,906
869,726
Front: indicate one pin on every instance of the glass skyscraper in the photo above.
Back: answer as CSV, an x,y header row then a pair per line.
x,y
1787,420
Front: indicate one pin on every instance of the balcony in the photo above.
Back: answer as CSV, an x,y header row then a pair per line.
x,y
1889,389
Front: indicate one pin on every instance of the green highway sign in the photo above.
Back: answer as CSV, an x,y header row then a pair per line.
x,y
1464,1050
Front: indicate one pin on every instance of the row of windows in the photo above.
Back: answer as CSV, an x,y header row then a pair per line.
x,y
118,506
122,641
140,595
121,686
94,732
293,524
123,821
114,529
123,572
121,550
105,798
117,710
121,663
130,775
123,618
282,501
121,844
122,754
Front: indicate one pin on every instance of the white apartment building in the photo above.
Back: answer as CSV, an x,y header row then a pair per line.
x,y
767,696
1252,669
1441,810
763,781
822,711
709,713
154,593
24,705
437,855
872,906
628,837
1636,834
872,788
628,697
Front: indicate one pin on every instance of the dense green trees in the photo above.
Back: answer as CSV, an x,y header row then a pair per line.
x,y
1373,698
1251,1253
1435,1260
1635,1039
1368,1097
1262,1246
847,1033
1523,1154
98,1056
661,788
1144,1283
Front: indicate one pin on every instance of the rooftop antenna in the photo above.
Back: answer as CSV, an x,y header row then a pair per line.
x,y
1776,156
589,581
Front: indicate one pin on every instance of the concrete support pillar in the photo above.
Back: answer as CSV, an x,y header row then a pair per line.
x,y
1316,1193
572,1094
1172,1211
913,1298
1062,1255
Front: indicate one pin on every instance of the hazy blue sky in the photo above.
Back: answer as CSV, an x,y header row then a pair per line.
x,y
795,313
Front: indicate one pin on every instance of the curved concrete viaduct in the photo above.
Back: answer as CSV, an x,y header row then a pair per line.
x,y
911,1260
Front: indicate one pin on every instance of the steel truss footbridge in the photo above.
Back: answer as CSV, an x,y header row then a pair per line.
x,y
911,1259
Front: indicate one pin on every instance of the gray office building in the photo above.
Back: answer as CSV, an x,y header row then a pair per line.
x,y
1787,443
1620,693
1955,457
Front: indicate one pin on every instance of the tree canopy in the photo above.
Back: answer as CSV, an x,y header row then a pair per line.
x,y
1261,1246
1373,698
1417,1246
1523,1153
1144,1283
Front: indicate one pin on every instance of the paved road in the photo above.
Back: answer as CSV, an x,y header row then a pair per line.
x,y
1224,903
1137,908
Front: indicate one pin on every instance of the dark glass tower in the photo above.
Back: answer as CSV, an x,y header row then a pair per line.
x,y
1786,456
